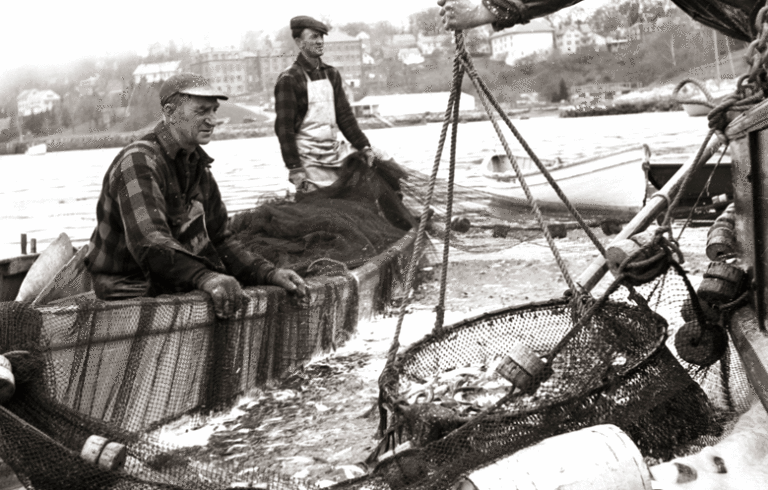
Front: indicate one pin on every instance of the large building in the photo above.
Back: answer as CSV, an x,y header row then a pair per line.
x,y
535,37
225,69
345,53
33,101
272,64
156,72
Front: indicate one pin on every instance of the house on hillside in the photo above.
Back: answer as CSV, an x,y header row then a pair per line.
x,y
365,41
429,44
398,42
578,35
514,43
406,104
410,56
33,101
156,72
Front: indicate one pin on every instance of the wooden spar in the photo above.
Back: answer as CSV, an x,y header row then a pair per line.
x,y
597,269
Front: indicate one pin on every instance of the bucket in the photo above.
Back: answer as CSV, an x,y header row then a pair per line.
x,y
602,457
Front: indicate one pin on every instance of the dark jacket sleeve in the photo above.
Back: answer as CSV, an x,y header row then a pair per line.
x,y
345,118
285,122
250,269
732,18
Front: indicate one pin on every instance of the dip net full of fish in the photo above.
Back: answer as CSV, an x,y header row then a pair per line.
x,y
449,412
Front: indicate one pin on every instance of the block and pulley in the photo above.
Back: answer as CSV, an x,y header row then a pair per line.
x,y
524,368
641,247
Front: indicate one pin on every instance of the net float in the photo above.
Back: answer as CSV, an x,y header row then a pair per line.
x,y
113,456
722,283
721,242
92,448
702,345
7,380
523,368
107,455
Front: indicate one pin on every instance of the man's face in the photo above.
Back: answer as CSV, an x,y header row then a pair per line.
x,y
195,120
311,43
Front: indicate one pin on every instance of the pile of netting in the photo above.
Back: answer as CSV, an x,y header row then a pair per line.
x,y
354,219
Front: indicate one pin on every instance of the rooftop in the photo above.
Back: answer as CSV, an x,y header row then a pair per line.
x,y
535,25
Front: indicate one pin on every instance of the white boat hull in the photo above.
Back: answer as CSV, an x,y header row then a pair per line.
x,y
696,110
606,184
40,149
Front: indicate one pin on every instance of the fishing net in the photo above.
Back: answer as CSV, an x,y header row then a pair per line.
x,y
356,218
119,369
451,414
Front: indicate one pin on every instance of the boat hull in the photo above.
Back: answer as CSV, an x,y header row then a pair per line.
x,y
203,361
696,110
607,185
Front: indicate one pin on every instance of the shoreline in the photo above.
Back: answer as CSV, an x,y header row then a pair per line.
x,y
105,139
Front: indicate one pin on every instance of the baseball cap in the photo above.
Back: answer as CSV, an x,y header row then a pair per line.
x,y
189,84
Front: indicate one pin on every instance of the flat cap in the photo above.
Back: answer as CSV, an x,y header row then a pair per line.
x,y
189,84
307,22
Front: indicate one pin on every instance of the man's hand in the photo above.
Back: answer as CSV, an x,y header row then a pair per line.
x,y
298,177
464,14
370,157
226,293
290,281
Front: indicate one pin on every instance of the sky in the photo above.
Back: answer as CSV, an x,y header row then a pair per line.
x,y
43,32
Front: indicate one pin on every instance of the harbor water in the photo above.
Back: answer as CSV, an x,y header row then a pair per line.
x,y
45,195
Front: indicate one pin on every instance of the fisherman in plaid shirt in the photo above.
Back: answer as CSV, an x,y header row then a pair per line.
x,y
162,226
311,108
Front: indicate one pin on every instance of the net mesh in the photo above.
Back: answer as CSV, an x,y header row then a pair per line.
x,y
120,369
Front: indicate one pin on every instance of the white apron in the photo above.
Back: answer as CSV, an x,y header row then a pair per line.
x,y
320,150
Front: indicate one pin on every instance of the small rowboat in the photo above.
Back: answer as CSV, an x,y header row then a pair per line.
x,y
38,149
607,184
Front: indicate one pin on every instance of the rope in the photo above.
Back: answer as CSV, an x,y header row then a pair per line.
x,y
703,190
440,309
523,184
483,89
458,74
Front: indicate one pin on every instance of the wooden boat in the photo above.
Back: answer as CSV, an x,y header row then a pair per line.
x,y
180,333
710,188
606,184
696,110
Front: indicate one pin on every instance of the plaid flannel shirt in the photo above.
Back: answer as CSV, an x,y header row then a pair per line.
x,y
291,103
145,195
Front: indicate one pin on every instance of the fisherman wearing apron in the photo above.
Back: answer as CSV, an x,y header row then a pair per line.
x,y
311,110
